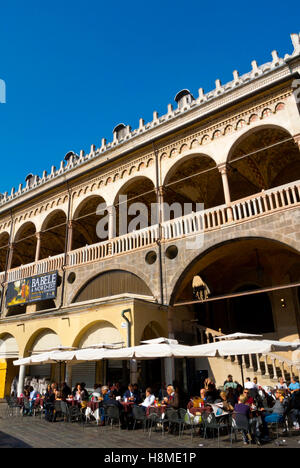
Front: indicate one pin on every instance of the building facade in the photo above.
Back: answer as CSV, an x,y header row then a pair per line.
x,y
234,152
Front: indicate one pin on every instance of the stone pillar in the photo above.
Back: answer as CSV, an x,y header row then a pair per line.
x,y
70,235
38,246
68,375
223,168
21,381
111,222
133,371
169,362
10,256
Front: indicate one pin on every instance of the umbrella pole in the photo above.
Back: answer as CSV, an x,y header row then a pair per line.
x,y
242,372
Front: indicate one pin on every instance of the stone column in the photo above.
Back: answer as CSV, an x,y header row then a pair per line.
x,y
111,222
133,371
70,235
10,256
38,246
223,169
169,362
21,381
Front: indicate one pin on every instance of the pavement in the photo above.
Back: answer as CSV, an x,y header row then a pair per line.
x,y
32,432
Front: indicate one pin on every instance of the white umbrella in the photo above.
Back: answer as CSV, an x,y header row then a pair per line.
x,y
238,347
238,336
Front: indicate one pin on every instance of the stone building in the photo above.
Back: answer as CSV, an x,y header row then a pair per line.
x,y
234,151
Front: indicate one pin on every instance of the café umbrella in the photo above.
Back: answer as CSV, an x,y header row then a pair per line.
x,y
239,347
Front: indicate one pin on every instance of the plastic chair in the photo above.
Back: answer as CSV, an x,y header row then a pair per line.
x,y
211,423
139,415
112,414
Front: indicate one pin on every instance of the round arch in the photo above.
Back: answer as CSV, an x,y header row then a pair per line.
x,y
192,179
141,195
276,165
24,245
236,266
42,339
152,330
112,283
97,332
85,220
9,347
4,246
53,234
216,251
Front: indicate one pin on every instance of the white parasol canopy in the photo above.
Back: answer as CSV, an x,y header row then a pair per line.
x,y
242,346
238,336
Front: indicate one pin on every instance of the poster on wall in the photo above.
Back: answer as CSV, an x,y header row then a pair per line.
x,y
35,289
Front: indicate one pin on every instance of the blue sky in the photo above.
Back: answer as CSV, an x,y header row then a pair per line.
x,y
74,69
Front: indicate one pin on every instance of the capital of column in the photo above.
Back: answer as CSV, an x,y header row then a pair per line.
x,y
224,168
297,140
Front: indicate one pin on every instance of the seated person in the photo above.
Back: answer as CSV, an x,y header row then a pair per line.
x,y
293,409
129,394
227,406
229,383
65,391
276,414
294,386
250,399
97,391
149,400
242,415
172,399
248,384
212,394
281,384
137,394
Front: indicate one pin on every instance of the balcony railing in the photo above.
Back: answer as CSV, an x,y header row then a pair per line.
x,y
262,204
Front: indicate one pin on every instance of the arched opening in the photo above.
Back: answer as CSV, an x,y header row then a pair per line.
x,y
9,351
113,283
133,205
84,223
242,266
103,371
194,180
42,341
53,235
274,166
4,247
151,370
24,245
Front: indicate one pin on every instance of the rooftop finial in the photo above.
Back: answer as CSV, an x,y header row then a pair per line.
x,y
296,43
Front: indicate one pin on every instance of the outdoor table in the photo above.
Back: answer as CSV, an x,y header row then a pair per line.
x,y
127,406
93,405
201,410
73,402
159,410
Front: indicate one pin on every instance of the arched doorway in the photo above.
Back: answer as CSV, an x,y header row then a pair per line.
x,y
101,372
242,266
43,341
4,247
9,351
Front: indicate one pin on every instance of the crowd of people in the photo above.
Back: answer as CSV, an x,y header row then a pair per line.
x,y
255,406
251,405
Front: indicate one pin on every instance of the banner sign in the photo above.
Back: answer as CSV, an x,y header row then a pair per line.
x,y
34,289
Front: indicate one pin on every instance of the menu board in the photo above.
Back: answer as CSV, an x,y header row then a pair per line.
x,y
35,289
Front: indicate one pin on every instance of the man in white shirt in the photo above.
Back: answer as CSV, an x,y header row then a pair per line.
x,y
249,385
149,400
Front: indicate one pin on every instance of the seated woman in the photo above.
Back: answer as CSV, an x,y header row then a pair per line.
x,y
276,414
242,415
227,406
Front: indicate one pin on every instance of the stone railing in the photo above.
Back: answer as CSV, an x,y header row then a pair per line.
x,y
272,366
262,204
266,202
